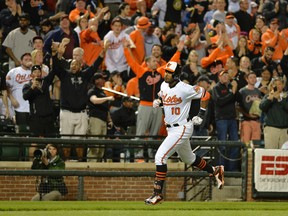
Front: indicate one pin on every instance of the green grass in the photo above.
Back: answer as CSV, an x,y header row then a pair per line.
x,y
114,208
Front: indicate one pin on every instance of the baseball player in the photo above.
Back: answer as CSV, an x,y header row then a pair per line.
x,y
175,96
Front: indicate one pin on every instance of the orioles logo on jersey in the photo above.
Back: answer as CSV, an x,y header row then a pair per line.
x,y
21,78
171,100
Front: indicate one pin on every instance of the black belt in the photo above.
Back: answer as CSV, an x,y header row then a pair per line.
x,y
75,111
175,125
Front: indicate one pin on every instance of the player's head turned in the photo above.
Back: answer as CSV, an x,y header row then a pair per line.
x,y
174,68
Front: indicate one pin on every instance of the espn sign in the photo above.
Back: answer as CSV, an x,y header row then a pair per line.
x,y
271,170
274,165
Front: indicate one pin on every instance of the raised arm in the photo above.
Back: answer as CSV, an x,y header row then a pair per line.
x,y
137,68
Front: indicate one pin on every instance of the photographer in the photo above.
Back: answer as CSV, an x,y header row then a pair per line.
x,y
50,188
41,120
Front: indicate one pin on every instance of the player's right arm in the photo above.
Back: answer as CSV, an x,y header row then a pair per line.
x,y
158,102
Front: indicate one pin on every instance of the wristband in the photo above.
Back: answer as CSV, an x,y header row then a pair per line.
x,y
202,112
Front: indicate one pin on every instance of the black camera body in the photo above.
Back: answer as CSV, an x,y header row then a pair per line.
x,y
39,153
37,161
39,79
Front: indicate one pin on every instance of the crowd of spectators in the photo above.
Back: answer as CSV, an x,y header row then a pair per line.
x,y
65,51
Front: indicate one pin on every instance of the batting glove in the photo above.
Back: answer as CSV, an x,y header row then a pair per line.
x,y
157,103
197,120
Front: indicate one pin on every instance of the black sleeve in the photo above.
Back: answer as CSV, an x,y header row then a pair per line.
x,y
284,65
220,99
29,93
58,67
89,72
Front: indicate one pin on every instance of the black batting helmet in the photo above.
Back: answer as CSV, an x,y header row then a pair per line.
x,y
174,68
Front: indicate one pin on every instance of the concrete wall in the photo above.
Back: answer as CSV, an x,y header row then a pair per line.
x,y
105,188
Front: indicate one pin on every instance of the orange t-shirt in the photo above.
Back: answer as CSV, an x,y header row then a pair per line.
x,y
277,41
217,54
92,44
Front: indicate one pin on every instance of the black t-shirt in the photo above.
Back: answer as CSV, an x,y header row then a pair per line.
x,y
35,18
240,79
124,117
98,110
173,11
187,74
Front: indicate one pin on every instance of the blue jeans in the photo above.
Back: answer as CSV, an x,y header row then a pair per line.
x,y
228,130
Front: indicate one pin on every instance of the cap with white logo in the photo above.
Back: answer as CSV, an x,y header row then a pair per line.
x,y
171,67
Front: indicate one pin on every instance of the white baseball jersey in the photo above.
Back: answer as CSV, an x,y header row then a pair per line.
x,y
176,105
177,100
19,43
15,80
232,34
115,58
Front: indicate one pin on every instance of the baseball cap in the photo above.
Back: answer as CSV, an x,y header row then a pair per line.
x,y
253,4
143,22
171,67
98,76
204,78
35,67
116,19
24,16
127,99
212,46
223,72
229,15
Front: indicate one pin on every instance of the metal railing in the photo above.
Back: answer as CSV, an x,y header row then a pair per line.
x,y
125,143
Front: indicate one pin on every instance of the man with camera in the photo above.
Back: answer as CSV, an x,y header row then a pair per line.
x,y
275,107
50,188
36,91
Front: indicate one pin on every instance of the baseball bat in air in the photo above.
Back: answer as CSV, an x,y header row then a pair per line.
x,y
120,93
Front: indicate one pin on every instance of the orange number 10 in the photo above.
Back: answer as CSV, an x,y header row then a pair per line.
x,y
175,110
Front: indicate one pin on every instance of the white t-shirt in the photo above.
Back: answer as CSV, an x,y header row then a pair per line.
x,y
115,58
177,100
15,80
19,43
161,6
232,34
233,6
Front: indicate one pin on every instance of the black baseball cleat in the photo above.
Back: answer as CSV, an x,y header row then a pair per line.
x,y
219,176
154,199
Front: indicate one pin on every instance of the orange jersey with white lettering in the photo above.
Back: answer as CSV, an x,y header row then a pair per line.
x,y
177,100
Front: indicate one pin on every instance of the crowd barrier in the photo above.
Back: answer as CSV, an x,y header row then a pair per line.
x,y
114,173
